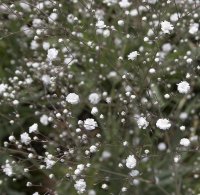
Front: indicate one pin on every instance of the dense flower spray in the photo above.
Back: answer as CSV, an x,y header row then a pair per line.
x,y
99,97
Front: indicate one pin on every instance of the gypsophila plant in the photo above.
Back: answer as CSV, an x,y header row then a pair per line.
x,y
99,97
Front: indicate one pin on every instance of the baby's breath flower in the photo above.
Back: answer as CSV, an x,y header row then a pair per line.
x,y
90,124
124,4
131,162
94,98
25,139
142,123
132,56
52,54
80,186
33,128
7,169
72,98
183,87
163,124
166,27
185,142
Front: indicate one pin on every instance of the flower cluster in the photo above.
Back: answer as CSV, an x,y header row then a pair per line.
x,y
99,97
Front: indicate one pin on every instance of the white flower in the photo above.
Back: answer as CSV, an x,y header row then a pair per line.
x,y
91,192
25,6
167,47
44,119
7,169
25,139
100,24
49,163
34,45
194,28
131,162
166,27
124,4
185,142
104,186
72,98
162,146
163,124
94,110
53,16
134,12
152,1
37,22
11,138
132,56
26,30
3,88
106,155
183,87
90,124
134,173
45,45
110,2
93,149
142,123
52,54
46,79
79,169
183,115
174,17
80,186
94,98
36,193
33,128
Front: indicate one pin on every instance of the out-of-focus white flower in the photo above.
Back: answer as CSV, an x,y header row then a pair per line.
x,y
185,142
163,124
25,139
131,161
152,1
90,124
124,4
49,163
37,22
174,17
53,16
134,173
33,128
7,169
72,98
166,27
142,123
194,28
94,110
93,149
44,119
162,146
133,55
80,186
3,88
106,155
25,6
46,79
52,54
183,87
100,24
94,98
36,193
11,138
167,47
46,45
